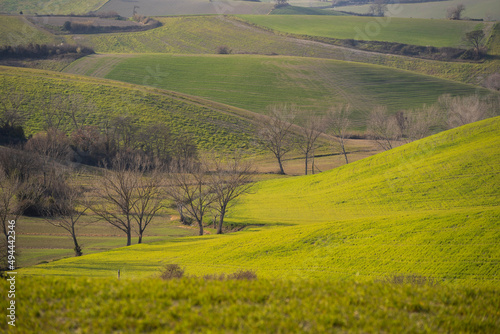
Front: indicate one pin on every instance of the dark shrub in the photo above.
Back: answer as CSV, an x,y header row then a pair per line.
x,y
223,50
172,271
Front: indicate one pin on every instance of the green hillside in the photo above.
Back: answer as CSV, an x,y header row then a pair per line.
x,y
213,126
477,9
188,7
427,208
255,82
16,30
204,34
50,6
408,31
296,10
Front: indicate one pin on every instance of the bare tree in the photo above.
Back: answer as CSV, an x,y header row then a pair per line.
x,y
11,109
455,12
191,188
124,130
310,132
229,180
382,128
338,123
378,8
53,143
417,124
115,198
465,110
148,194
67,215
11,207
493,82
276,131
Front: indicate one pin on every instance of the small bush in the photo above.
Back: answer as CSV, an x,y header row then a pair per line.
x,y
223,50
172,271
239,275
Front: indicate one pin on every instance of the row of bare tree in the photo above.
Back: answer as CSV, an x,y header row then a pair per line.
x,y
129,195
389,130
279,133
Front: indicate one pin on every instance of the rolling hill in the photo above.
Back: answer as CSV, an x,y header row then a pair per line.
x,y
408,31
213,126
428,208
254,82
205,34
477,9
50,6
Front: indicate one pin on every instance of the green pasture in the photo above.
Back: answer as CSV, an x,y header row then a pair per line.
x,y
204,34
91,305
38,242
297,10
50,6
255,82
212,126
476,9
428,208
16,30
388,29
188,7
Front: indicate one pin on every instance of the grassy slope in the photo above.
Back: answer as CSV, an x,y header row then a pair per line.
x,y
295,10
408,31
479,9
212,126
62,305
18,31
188,7
50,7
204,34
429,208
254,82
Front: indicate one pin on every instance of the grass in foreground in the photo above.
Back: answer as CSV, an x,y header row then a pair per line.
x,y
260,306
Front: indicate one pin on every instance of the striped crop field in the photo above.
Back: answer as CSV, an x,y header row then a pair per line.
x,y
255,82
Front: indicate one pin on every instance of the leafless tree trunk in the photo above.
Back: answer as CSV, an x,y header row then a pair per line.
x,y
417,124
382,128
10,209
191,187
338,123
313,128
53,143
465,110
148,194
229,180
11,109
455,12
276,130
67,215
115,198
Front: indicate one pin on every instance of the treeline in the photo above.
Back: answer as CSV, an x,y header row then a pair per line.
x,y
146,23
43,51
279,133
